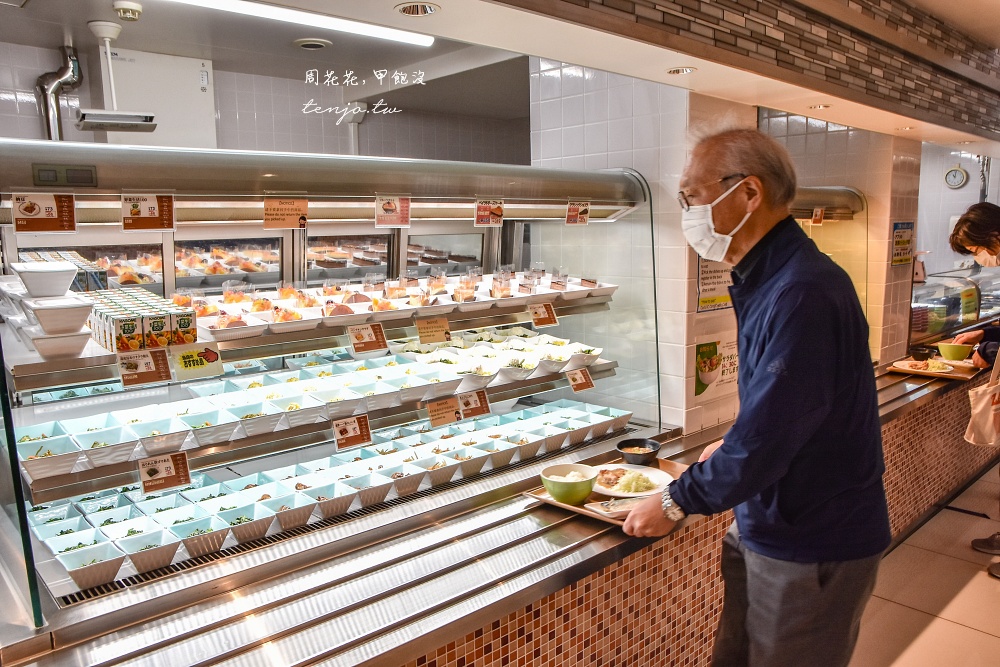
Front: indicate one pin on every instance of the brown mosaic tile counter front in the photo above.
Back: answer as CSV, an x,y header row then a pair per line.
x,y
660,605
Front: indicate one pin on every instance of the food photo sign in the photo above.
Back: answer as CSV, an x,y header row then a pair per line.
x,y
716,367
39,212
392,211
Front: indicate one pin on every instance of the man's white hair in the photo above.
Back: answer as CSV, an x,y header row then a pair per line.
x,y
738,149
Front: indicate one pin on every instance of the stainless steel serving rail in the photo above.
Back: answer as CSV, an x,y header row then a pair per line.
x,y
104,367
375,590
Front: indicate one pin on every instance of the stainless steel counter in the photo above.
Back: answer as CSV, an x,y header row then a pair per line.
x,y
378,588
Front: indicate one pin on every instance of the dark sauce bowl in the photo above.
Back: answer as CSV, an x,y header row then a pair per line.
x,y
921,353
644,459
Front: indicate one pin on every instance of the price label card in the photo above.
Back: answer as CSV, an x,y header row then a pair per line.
x,y
200,360
489,213
285,213
367,337
543,315
588,282
474,404
818,214
40,212
579,380
558,283
168,471
577,212
147,212
143,367
433,330
352,432
444,411
392,211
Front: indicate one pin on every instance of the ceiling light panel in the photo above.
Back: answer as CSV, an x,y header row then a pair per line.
x,y
285,15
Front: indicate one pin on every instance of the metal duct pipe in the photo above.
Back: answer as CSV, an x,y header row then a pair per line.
x,y
50,84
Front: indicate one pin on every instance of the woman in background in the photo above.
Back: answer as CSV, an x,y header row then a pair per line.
x,y
977,233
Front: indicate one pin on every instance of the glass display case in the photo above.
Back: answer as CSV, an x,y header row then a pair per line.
x,y
942,305
316,403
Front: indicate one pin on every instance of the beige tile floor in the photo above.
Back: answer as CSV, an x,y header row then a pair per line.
x,y
934,604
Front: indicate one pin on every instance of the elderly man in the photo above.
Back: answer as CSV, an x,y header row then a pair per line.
x,y
802,464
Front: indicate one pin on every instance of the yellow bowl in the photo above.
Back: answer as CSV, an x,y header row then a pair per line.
x,y
569,492
954,351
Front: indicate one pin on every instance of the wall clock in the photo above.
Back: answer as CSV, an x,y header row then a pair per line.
x,y
956,177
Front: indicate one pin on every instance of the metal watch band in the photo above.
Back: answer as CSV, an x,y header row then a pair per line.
x,y
671,510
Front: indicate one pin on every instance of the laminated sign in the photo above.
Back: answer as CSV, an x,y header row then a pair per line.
x,y
392,211
285,213
577,212
40,212
159,473
147,212
489,212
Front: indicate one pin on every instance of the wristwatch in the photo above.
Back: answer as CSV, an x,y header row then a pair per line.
x,y
671,510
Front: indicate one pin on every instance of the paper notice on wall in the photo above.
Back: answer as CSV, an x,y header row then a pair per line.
x,y
286,212
714,279
716,367
902,243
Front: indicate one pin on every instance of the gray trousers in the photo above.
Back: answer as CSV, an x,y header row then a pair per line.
x,y
778,613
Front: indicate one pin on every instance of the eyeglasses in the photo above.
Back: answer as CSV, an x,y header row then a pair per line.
x,y
682,196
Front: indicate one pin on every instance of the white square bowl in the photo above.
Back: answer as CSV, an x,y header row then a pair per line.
x,y
202,536
302,409
108,446
93,566
59,314
161,435
372,488
260,519
150,551
292,511
65,458
332,498
339,402
58,346
221,426
45,279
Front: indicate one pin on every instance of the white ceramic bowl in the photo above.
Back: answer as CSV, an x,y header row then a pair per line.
x,y
60,314
58,345
45,278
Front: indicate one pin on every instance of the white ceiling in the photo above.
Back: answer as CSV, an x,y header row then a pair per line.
x,y
244,44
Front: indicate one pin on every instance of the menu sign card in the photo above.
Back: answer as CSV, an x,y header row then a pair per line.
x,y
367,337
285,213
168,471
577,212
40,212
579,380
588,282
147,212
489,212
392,211
200,360
818,214
444,411
352,432
543,315
143,367
433,330
474,404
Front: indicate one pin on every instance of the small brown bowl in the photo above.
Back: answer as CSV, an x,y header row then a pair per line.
x,y
646,458
921,353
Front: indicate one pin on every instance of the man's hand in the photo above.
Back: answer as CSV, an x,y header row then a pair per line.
x,y
969,338
978,361
647,519
709,450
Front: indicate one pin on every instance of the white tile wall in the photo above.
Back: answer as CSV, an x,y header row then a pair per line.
x,y
20,118
938,202
887,171
643,126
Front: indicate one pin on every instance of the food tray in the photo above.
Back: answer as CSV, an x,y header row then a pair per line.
x,y
542,495
961,370
253,328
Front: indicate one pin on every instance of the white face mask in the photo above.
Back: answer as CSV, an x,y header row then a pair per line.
x,y
699,229
984,258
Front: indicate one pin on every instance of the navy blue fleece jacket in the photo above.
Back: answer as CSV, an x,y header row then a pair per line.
x,y
802,464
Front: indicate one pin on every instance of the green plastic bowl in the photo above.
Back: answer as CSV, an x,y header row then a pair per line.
x,y
571,493
954,351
